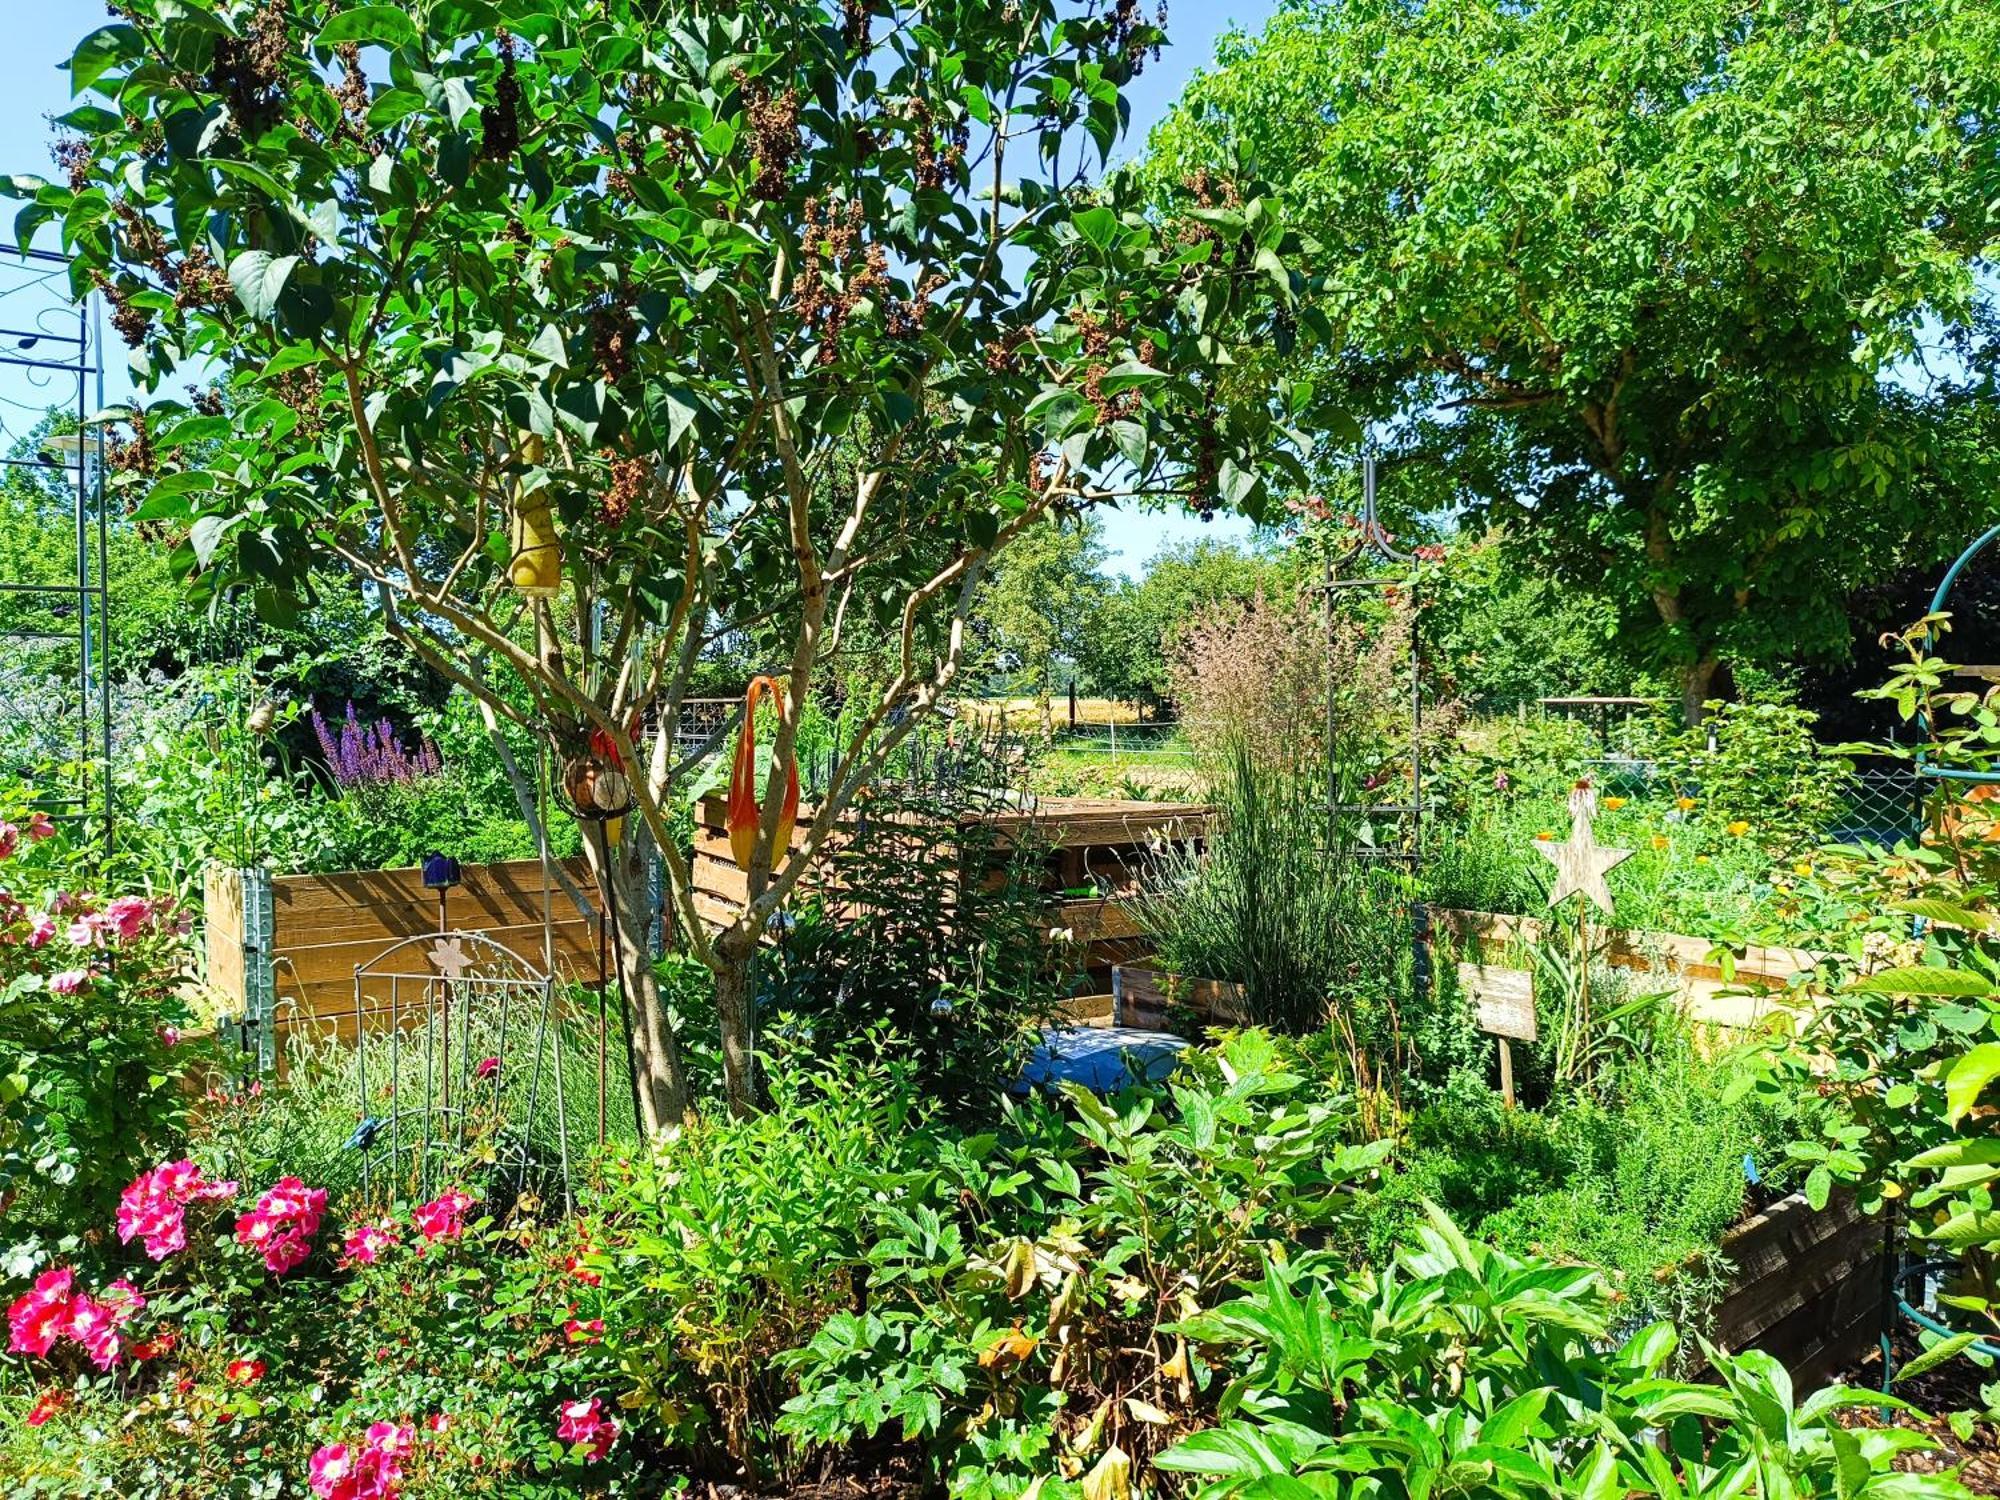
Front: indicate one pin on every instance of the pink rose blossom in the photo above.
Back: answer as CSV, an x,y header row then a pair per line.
x,y
443,1218
126,917
154,1207
95,1327
69,981
39,827
40,1316
487,1067
584,1423
41,930
82,933
10,839
366,1243
373,1470
283,1223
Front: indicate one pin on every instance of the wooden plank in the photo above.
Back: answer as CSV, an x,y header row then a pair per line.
x,y
1147,996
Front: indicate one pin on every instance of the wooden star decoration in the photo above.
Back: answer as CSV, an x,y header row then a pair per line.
x,y
1581,864
449,958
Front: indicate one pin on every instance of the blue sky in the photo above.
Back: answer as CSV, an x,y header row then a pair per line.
x,y
40,34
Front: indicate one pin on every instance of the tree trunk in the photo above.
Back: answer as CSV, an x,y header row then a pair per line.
x,y
660,1079
1697,687
733,1004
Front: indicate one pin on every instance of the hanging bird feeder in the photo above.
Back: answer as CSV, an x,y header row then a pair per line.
x,y
744,812
595,786
534,565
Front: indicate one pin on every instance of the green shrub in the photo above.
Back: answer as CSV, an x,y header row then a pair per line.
x,y
1481,1373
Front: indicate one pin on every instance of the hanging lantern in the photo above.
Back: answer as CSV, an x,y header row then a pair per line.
x,y
535,566
744,813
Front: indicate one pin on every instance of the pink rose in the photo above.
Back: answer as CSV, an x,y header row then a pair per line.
x,y
69,981
443,1218
583,1423
39,827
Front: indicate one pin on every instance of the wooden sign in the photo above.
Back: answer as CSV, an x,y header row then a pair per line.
x,y
1504,1004
1503,999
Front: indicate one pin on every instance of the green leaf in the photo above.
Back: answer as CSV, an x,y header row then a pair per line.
x,y
1942,1352
1924,979
1097,225
259,279
97,54
1968,1078
1947,912
384,25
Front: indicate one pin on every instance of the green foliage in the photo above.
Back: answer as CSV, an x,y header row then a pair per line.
x,y
1041,609
1908,1008
1473,1372
1640,282
1759,763
1508,633
1141,621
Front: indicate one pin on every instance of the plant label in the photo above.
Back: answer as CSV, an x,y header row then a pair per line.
x,y
1503,999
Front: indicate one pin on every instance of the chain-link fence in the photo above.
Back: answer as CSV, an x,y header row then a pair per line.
x,y
1877,804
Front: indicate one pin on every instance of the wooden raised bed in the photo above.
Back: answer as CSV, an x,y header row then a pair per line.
x,y
1145,998
1807,1287
1082,841
1738,998
323,927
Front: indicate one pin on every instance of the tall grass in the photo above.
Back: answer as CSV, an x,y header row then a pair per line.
x,y
1282,901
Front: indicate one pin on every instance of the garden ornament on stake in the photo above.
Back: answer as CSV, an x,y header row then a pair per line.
x,y
535,565
745,813
1581,864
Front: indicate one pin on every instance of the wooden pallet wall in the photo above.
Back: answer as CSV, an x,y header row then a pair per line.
x,y
1082,841
326,926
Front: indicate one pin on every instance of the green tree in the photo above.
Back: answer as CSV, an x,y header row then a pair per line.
x,y
1043,606
593,334
1684,292
1143,617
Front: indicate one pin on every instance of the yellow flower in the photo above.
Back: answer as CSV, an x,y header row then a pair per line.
x,y
1802,869
1701,859
1685,804
1738,828
1661,841
1614,803
1544,836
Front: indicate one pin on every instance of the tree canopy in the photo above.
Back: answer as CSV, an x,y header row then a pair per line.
x,y
1686,292
590,334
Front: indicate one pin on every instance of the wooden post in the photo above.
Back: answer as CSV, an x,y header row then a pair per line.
x,y
1506,1072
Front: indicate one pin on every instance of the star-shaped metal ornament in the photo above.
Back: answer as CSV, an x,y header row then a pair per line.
x,y
449,958
1581,864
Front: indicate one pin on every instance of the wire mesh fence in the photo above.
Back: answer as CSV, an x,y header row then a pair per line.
x,y
1876,804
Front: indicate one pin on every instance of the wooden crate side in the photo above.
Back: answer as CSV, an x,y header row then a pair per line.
x,y
1807,1288
222,934
1146,997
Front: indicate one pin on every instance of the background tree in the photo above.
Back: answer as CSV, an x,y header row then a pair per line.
x,y
1144,617
592,333
1686,292
1042,608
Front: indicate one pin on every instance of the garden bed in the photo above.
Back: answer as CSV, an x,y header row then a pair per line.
x,y
1807,1287
1738,996
1082,843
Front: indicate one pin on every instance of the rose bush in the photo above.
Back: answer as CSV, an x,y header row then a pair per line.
x,y
94,1031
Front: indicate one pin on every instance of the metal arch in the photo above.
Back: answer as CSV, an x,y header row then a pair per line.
x,y
372,968
1938,600
443,1017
